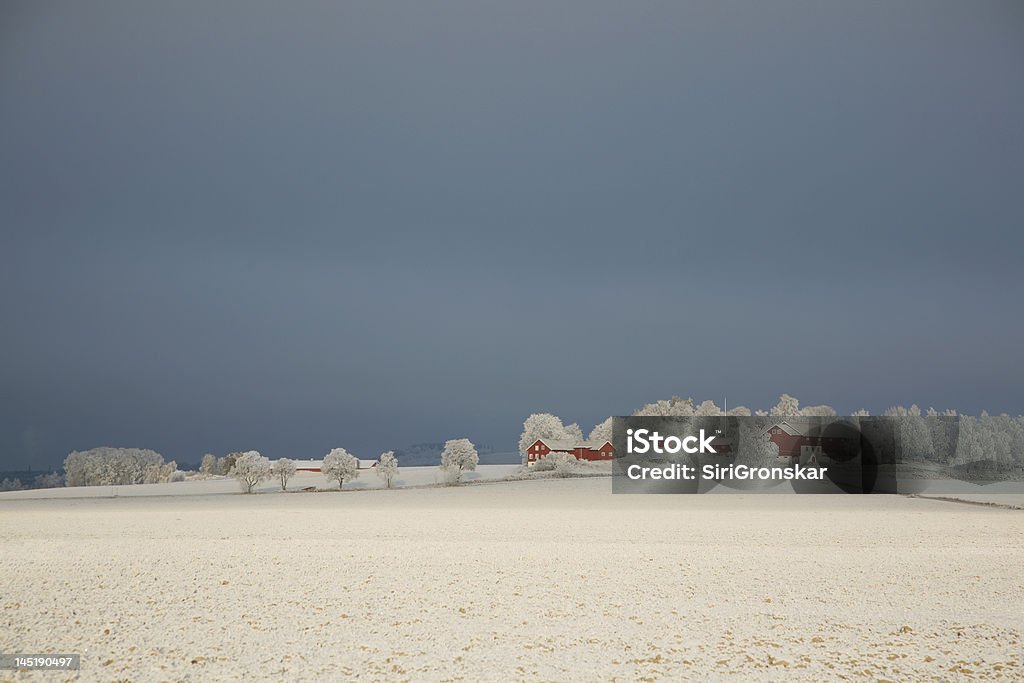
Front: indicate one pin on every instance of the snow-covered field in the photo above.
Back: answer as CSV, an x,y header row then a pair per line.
x,y
368,479
528,580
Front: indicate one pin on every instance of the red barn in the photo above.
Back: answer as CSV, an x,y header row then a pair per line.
x,y
315,465
581,450
796,437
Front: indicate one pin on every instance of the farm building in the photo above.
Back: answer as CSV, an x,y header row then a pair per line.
x,y
314,465
797,437
581,450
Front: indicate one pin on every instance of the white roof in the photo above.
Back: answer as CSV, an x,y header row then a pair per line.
x,y
571,445
813,426
790,428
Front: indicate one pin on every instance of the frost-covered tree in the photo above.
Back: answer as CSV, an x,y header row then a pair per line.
x,y
250,469
340,465
545,426
818,411
913,439
209,465
159,473
387,467
107,466
10,485
458,456
51,480
756,448
573,432
788,406
707,409
602,431
283,469
674,407
943,430
227,463
989,445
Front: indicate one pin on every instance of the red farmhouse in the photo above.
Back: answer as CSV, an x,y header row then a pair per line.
x,y
796,437
581,450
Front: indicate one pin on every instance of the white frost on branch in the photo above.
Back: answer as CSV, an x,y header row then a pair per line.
x,y
283,469
459,456
387,467
546,426
340,465
250,469
106,466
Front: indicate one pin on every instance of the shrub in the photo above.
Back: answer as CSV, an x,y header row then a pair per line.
x,y
562,463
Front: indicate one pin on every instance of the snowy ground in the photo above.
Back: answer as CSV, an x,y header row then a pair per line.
x,y
368,479
530,580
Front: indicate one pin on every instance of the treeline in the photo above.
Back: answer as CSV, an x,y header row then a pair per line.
x,y
990,443
108,466
118,466
48,480
985,443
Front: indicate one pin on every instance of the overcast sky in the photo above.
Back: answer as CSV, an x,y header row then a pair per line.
x,y
295,226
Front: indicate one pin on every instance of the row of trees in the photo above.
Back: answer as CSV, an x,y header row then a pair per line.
x,y
788,406
548,426
997,441
122,466
251,468
211,465
40,481
993,443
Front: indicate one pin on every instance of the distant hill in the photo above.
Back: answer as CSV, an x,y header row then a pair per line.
x,y
428,454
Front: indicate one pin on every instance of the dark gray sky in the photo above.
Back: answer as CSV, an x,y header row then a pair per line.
x,y
294,226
